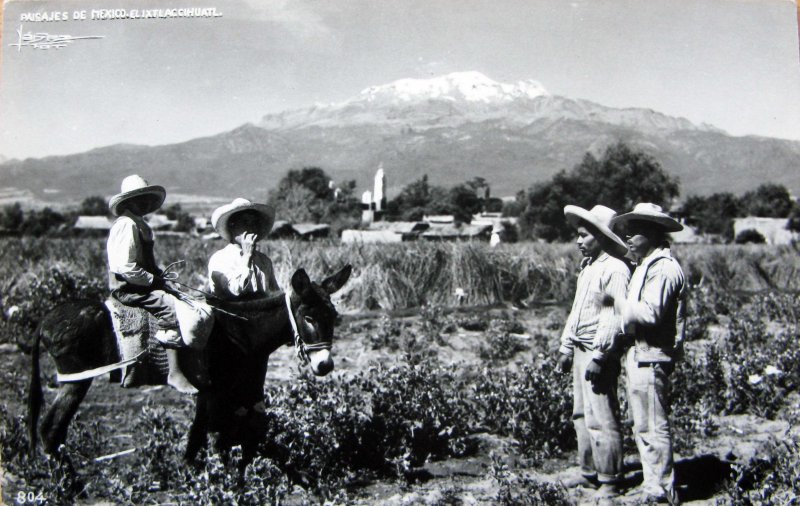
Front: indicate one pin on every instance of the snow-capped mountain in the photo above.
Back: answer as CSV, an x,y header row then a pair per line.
x,y
458,86
452,128
463,97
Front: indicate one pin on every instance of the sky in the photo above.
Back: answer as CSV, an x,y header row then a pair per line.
x,y
734,64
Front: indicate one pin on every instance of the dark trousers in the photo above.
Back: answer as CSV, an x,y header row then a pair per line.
x,y
156,302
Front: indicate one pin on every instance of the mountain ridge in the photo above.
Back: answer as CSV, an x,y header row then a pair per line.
x,y
513,135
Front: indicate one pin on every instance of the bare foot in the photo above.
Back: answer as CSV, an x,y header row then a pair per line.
x,y
181,384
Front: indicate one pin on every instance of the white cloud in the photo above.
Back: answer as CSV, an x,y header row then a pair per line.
x,y
296,16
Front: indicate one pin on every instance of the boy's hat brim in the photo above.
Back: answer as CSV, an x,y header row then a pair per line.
x,y
221,215
597,220
135,186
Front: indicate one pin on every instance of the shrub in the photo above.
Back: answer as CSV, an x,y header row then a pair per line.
x,y
38,291
514,489
749,236
501,344
773,477
695,384
533,405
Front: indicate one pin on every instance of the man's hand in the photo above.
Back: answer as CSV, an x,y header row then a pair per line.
x,y
564,362
158,283
248,242
593,371
603,299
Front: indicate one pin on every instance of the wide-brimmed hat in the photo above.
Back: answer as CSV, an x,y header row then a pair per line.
x,y
135,186
645,211
598,221
221,215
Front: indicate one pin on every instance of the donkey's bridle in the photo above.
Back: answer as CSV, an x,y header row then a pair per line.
x,y
300,347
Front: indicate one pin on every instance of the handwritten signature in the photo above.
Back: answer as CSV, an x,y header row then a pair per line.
x,y
40,40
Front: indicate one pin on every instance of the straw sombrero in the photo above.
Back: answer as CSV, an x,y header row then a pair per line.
x,y
135,186
598,220
221,215
645,211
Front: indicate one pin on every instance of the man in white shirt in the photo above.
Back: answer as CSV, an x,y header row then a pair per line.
x,y
590,345
239,270
653,313
134,276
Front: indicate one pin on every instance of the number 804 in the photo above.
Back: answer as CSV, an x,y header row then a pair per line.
x,y
30,497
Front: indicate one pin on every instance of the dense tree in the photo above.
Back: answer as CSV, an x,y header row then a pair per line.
x,y
12,217
619,179
794,218
768,201
185,222
464,202
515,208
42,222
309,195
713,214
420,198
93,206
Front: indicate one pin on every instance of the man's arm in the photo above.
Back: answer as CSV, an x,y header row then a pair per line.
x,y
606,340
661,286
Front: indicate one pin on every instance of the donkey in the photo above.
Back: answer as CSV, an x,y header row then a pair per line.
x,y
79,336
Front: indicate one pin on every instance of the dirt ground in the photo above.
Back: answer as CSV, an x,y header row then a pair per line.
x,y
699,472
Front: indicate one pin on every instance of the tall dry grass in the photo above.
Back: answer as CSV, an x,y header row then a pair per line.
x,y
407,275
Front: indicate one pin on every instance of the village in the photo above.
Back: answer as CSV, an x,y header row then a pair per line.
x,y
494,227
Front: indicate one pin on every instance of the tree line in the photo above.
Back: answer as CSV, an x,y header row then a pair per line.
x,y
619,178
37,222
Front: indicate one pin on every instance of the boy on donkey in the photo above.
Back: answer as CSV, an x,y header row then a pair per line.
x,y
134,277
590,346
239,270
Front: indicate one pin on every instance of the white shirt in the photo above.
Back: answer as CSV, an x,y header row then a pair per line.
x,y
230,276
654,309
124,249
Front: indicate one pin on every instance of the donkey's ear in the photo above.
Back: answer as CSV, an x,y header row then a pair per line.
x,y
335,282
300,282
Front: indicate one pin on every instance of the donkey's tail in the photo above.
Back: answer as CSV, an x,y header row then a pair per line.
x,y
34,395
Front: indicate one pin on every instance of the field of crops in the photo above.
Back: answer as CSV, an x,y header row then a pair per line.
x,y
445,390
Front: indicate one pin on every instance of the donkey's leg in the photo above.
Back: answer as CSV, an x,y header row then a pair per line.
x,y
198,433
54,426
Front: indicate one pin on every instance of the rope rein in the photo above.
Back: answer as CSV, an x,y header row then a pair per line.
x,y
302,349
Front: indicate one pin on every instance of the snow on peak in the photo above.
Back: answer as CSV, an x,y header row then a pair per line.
x,y
470,86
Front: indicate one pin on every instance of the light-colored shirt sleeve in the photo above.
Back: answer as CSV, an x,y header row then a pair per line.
x,y
615,283
122,248
567,346
661,287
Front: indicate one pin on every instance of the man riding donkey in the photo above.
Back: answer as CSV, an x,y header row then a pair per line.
x,y
591,346
653,313
134,277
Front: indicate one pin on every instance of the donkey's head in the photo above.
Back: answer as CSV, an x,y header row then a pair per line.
x,y
315,316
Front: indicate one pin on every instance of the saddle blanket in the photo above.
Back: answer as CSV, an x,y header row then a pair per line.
x,y
135,331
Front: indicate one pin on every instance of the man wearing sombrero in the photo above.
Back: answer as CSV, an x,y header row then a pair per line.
x,y
134,276
590,345
653,313
239,269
